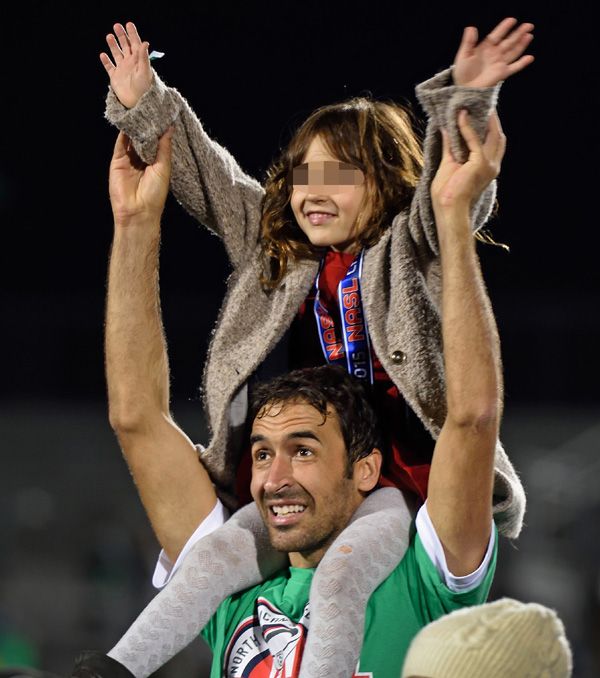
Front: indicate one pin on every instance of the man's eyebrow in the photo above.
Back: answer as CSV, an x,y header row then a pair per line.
x,y
259,438
303,434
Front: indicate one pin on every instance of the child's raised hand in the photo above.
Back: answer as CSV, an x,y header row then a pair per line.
x,y
496,57
130,74
456,186
138,191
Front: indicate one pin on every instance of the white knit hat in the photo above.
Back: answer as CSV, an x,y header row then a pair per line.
x,y
496,640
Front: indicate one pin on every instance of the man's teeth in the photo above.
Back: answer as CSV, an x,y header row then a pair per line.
x,y
284,510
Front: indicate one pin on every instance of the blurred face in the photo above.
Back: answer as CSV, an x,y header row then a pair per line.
x,y
299,479
327,198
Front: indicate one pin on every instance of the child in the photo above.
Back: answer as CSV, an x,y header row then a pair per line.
x,y
346,211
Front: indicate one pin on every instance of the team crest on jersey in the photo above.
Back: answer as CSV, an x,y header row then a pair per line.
x,y
268,645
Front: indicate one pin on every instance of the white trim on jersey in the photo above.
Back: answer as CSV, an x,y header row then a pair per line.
x,y
165,569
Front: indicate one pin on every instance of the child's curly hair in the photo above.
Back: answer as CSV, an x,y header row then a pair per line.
x,y
378,138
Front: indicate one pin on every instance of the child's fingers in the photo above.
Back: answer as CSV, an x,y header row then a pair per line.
x,y
132,33
513,51
124,43
517,38
106,62
501,30
520,64
114,48
468,42
142,54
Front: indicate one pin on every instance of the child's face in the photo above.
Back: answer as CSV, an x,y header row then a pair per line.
x,y
327,210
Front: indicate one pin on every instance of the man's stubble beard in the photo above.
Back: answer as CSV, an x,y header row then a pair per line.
x,y
284,540
318,533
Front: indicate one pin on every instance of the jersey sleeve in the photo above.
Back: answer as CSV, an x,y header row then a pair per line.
x,y
435,551
434,593
165,569
205,178
442,101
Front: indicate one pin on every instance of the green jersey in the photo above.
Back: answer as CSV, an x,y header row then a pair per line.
x,y
261,632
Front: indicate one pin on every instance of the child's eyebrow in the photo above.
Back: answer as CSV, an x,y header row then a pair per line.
x,y
326,172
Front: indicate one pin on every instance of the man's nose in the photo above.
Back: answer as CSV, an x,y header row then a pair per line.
x,y
280,474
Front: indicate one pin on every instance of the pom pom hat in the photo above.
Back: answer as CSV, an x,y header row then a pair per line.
x,y
495,640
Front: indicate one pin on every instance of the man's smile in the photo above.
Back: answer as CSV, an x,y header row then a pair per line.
x,y
289,508
285,512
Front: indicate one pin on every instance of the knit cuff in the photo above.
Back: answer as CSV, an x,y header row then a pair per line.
x,y
442,100
148,120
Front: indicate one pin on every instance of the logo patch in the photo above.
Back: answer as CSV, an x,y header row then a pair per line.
x,y
268,645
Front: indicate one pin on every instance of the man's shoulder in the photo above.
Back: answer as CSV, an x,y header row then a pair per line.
x,y
423,574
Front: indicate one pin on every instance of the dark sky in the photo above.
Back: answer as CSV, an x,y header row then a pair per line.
x,y
252,71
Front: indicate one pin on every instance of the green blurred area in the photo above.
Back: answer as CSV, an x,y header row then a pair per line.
x,y
16,650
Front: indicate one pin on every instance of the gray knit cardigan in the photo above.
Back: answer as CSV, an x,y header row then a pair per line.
x,y
401,274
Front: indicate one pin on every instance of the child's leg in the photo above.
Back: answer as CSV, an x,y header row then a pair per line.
x,y
355,564
220,564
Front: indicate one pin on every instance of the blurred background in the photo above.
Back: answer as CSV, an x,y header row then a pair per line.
x,y
77,551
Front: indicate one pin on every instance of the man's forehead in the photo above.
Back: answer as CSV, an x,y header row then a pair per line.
x,y
286,416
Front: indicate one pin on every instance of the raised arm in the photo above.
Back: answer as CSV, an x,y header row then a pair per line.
x,y
462,470
473,84
174,487
205,178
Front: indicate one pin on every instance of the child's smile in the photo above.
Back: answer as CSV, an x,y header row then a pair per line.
x,y
317,218
327,213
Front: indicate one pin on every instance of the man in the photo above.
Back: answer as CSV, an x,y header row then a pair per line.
x,y
305,484
314,460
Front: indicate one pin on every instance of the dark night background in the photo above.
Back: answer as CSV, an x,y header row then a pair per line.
x,y
77,551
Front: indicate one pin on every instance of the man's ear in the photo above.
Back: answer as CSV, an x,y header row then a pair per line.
x,y
367,471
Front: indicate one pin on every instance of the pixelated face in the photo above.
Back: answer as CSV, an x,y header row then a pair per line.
x,y
327,198
299,479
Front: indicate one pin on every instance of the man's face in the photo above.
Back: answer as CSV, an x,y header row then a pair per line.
x,y
299,480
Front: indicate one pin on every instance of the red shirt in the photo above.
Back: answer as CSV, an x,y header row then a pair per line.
x,y
407,444
407,453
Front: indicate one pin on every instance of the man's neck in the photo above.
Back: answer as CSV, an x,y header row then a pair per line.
x,y
307,559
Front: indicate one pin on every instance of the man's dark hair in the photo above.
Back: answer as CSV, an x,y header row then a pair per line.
x,y
321,387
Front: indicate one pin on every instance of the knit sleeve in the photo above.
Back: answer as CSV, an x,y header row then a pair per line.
x,y
205,179
442,101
